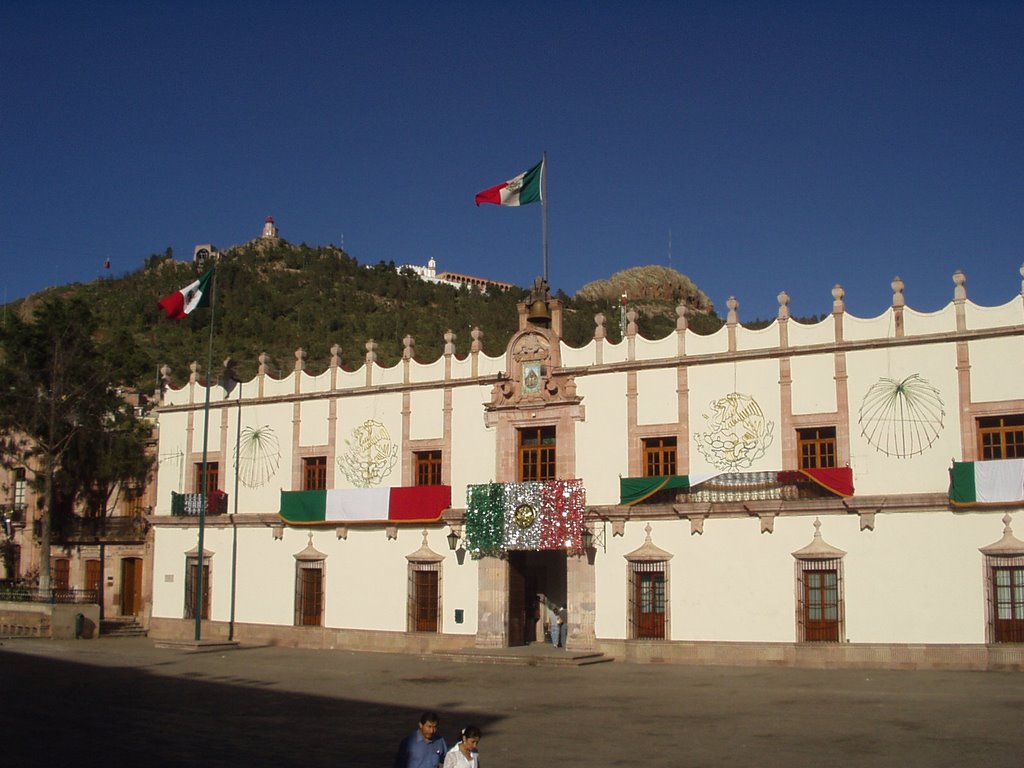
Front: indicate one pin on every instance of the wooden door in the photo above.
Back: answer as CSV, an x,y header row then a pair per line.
x,y
821,606
131,586
650,605
93,575
425,600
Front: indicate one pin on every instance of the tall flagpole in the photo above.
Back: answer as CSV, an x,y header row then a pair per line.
x,y
544,209
206,439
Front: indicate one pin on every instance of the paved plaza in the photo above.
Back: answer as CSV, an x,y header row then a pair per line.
x,y
125,702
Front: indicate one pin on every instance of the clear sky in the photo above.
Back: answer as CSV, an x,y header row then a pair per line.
x,y
754,146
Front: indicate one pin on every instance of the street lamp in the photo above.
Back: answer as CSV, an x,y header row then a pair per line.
x,y
453,540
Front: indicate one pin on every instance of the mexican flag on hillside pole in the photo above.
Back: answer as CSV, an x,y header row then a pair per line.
x,y
182,303
519,190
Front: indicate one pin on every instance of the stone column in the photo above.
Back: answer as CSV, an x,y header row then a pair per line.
x,y
582,603
492,603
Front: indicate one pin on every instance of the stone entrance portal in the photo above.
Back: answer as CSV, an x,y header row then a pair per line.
x,y
509,612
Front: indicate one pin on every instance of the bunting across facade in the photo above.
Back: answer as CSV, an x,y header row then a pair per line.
x,y
414,504
739,486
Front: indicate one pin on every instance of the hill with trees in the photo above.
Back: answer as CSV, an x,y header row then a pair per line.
x,y
275,297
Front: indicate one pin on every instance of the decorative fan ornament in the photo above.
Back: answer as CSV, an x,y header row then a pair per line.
x,y
257,456
902,418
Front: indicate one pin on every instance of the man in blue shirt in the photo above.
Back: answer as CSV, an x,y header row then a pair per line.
x,y
424,747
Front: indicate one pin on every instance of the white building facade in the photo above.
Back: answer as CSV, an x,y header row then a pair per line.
x,y
776,496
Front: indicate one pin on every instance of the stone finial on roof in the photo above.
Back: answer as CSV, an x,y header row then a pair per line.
x,y
300,359
959,280
335,355
1022,280
897,292
783,298
477,345
449,342
599,331
371,351
838,294
195,368
681,322
265,360
732,318
408,347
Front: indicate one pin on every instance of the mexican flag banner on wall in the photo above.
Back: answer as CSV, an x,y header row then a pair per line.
x,y
530,516
986,482
415,504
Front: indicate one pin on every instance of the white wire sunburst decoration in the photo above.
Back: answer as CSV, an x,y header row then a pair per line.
x,y
902,418
258,456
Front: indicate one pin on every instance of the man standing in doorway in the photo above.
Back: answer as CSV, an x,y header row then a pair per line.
x,y
424,747
563,626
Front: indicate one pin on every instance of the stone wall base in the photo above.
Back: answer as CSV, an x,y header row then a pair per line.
x,y
819,655
796,655
54,621
320,638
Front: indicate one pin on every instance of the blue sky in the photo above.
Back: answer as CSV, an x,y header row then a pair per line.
x,y
755,147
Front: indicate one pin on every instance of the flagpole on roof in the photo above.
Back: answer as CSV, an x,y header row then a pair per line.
x,y
544,208
205,469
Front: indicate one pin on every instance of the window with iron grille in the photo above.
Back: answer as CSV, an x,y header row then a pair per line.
x,y
428,467
537,454
191,584
817,447
61,573
309,593
659,456
820,602
648,600
424,596
212,477
314,473
1004,593
1001,437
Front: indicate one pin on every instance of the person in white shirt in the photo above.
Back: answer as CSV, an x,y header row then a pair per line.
x,y
464,754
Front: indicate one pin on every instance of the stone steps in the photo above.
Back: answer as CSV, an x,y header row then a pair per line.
x,y
126,626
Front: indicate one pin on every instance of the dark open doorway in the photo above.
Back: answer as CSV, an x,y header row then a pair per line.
x,y
531,574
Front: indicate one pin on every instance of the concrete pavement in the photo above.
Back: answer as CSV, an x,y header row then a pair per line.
x,y
123,701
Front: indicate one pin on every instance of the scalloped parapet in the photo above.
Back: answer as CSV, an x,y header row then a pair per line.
x,y
899,324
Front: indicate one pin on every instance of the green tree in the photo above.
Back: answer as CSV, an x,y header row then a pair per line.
x,y
62,417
